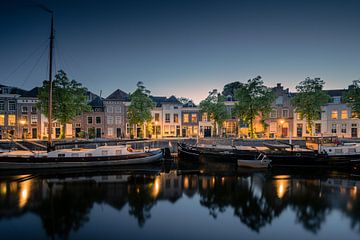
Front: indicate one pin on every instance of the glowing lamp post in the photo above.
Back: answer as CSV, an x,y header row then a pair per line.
x,y
22,123
156,128
281,124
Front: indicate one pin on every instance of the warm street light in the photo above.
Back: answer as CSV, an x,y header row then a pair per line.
x,y
282,123
156,124
22,122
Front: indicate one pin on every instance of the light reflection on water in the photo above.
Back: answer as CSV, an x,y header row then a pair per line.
x,y
184,200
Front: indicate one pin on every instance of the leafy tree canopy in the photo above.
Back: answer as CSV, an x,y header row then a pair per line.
x,y
69,99
214,107
352,97
139,111
309,99
253,99
229,89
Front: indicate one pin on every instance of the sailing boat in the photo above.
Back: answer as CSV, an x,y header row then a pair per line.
x,y
76,157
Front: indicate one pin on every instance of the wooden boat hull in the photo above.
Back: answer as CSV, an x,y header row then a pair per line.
x,y
80,162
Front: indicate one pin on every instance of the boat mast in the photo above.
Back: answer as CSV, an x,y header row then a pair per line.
x,y
50,83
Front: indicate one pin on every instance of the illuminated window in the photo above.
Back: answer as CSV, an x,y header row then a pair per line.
x,y
334,114
11,120
157,117
110,132
2,119
176,118
186,117
34,119
298,116
204,117
344,114
194,117
353,114
172,129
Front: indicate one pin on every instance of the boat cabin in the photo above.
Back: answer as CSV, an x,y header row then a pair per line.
x,y
314,142
332,146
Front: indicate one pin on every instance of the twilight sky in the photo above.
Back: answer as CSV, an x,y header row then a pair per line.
x,y
181,47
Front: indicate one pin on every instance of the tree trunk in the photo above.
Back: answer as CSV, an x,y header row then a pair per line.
x,y
252,135
309,126
63,131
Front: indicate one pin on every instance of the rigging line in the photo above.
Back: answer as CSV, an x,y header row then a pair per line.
x,y
33,68
24,61
60,57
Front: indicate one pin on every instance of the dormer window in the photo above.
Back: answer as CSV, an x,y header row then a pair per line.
x,y
229,98
336,99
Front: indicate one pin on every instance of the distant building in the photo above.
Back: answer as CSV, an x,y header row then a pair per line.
x,y
336,119
282,114
115,106
166,117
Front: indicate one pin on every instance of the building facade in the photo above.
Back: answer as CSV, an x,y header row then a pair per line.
x,y
281,117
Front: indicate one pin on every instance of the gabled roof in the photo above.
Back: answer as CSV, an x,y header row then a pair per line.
x,y
189,104
158,100
96,102
172,99
118,95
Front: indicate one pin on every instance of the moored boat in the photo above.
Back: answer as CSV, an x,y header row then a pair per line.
x,y
217,152
79,157
319,152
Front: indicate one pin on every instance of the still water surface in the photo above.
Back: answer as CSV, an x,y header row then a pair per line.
x,y
210,201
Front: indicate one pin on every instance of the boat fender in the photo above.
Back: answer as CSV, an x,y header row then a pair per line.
x,y
130,149
298,154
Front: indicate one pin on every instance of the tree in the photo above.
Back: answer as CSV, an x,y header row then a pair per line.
x,y
215,108
139,112
229,89
253,99
352,97
69,99
309,99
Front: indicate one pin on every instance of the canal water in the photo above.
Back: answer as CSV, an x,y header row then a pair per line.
x,y
180,201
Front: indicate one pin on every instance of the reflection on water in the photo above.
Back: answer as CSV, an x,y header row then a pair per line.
x,y
256,200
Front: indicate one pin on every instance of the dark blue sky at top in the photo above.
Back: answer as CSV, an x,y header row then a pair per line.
x,y
182,47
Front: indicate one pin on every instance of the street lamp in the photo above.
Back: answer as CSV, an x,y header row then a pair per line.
x,y
156,128
281,123
22,123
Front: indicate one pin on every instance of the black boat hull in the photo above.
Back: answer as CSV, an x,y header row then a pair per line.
x,y
312,159
187,152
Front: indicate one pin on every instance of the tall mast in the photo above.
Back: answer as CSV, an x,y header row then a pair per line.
x,y
50,81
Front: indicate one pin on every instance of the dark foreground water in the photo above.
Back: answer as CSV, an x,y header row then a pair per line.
x,y
212,201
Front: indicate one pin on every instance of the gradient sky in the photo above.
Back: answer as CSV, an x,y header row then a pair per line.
x,y
182,47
